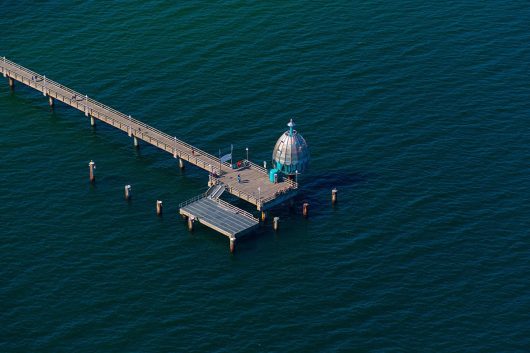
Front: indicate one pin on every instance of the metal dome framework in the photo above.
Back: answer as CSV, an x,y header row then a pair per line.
x,y
291,153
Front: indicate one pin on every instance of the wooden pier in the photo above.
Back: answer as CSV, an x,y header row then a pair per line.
x,y
253,184
254,187
210,210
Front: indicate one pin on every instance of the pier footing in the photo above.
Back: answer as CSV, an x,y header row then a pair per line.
x,y
191,219
159,208
91,167
305,209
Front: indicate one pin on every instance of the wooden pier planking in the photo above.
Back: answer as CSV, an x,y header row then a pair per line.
x,y
255,186
220,216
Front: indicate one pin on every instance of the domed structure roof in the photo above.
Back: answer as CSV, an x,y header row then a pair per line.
x,y
291,153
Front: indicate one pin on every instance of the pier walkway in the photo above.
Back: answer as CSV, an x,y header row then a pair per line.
x,y
254,186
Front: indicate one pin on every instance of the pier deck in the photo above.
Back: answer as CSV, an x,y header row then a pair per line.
x,y
219,215
255,186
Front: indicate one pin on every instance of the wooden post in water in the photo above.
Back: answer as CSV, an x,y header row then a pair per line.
x,y
11,83
181,163
50,101
334,196
305,209
127,192
232,245
91,167
135,141
92,121
159,208
191,219
276,223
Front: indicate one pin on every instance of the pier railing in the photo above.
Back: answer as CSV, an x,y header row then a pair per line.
x,y
221,202
293,184
193,199
256,166
237,210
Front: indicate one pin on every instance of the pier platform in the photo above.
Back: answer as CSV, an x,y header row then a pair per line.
x,y
218,215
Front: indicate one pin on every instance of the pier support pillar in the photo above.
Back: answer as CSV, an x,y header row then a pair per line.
x,y
305,209
135,141
190,223
50,101
263,216
333,196
92,121
276,223
159,208
181,163
232,245
11,83
91,167
128,192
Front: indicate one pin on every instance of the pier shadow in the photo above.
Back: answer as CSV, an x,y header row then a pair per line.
x,y
316,190
336,179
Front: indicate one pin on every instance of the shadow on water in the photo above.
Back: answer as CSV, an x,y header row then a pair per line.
x,y
314,190
336,179
317,190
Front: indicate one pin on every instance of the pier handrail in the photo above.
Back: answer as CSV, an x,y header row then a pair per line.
x,y
221,202
237,210
242,194
193,199
291,183
256,166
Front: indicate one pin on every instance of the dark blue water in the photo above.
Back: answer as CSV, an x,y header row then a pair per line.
x,y
417,112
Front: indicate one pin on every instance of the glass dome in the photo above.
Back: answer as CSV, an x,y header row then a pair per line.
x,y
290,153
